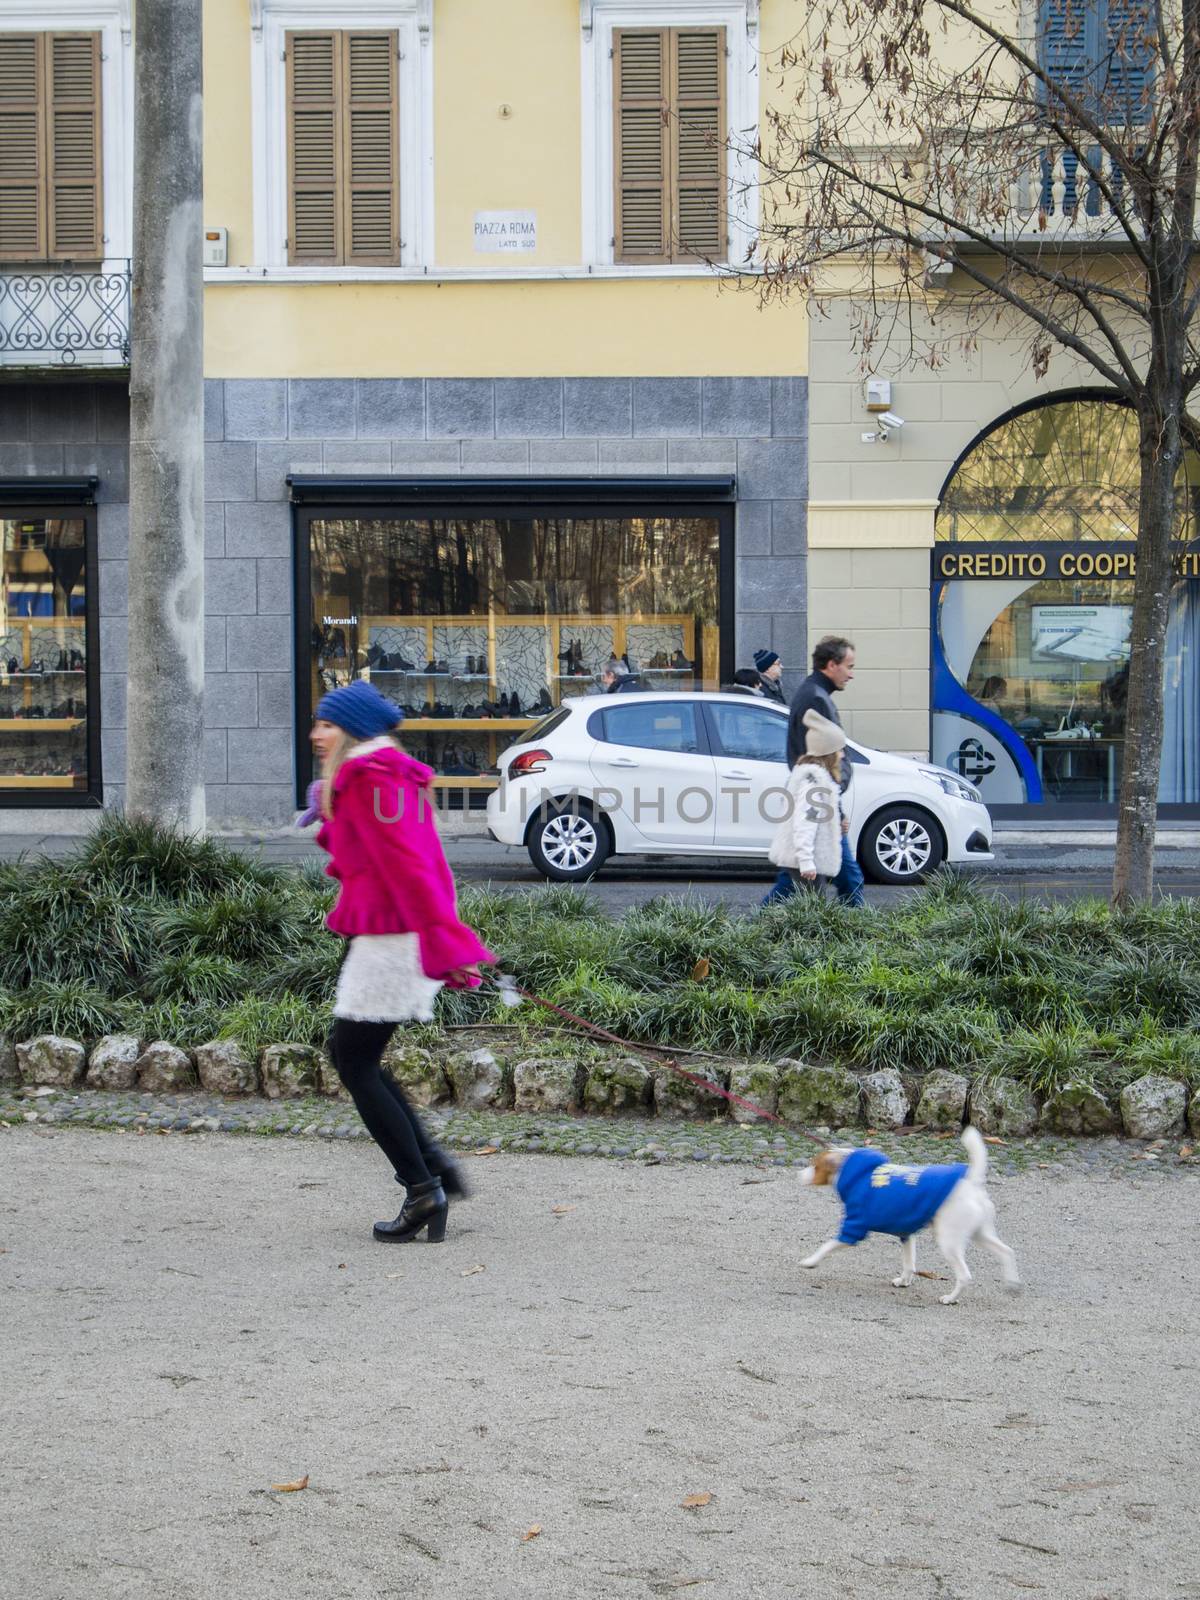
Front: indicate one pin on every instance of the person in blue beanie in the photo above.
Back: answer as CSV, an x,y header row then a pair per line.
x,y
769,671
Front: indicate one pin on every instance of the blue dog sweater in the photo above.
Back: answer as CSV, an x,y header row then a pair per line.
x,y
881,1197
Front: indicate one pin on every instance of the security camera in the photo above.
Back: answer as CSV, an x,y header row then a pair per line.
x,y
889,419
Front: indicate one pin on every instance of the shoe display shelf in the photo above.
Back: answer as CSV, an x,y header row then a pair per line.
x,y
524,656
40,639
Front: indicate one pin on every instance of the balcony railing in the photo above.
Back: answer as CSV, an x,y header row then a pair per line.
x,y
65,317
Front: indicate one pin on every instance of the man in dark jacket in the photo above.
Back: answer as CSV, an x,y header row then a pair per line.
x,y
770,673
833,669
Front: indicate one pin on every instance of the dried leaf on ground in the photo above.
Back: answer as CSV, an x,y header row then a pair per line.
x,y
471,1271
291,1488
560,1211
940,1277
531,1533
702,969
690,1502
992,1138
485,1150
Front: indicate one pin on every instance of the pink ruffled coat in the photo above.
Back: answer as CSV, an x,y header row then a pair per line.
x,y
394,874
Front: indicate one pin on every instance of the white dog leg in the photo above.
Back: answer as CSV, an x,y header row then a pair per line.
x,y
1004,1254
952,1239
908,1263
819,1255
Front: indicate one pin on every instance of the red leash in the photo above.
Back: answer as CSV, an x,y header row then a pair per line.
x,y
649,1049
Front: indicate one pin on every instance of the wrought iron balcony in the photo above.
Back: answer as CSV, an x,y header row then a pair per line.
x,y
65,317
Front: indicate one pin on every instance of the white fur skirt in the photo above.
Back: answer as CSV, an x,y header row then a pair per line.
x,y
381,981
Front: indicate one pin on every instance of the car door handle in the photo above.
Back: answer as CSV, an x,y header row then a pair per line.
x,y
623,761
734,772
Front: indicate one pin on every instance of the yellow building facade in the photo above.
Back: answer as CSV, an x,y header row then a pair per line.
x,y
489,401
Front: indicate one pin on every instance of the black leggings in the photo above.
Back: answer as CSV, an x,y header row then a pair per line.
x,y
357,1050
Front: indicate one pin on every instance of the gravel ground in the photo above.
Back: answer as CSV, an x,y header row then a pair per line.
x,y
192,1320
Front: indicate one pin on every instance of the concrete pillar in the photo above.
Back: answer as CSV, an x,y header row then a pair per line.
x,y
165,775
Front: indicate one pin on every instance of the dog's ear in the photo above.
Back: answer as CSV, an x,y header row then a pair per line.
x,y
824,1167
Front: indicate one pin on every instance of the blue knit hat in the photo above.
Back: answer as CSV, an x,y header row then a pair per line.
x,y
360,709
765,658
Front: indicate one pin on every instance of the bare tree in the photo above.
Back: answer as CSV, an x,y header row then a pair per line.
x,y
1054,164
166,453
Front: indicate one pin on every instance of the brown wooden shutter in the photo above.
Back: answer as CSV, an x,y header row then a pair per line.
x,y
22,148
73,147
642,148
314,79
370,121
698,143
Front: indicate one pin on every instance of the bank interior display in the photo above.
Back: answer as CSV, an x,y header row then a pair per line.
x,y
477,627
1080,633
43,664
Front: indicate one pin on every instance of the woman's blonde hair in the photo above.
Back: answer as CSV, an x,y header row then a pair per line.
x,y
332,764
832,764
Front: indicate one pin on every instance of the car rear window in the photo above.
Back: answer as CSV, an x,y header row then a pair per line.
x,y
658,725
547,725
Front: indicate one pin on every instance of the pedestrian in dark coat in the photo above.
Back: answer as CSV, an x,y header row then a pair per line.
x,y
833,669
770,675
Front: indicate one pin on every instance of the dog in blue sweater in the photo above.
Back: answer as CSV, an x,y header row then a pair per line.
x,y
880,1196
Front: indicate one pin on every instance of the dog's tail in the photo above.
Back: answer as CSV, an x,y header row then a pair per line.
x,y
977,1161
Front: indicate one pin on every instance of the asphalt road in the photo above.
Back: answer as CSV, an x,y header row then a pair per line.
x,y
188,1323
618,886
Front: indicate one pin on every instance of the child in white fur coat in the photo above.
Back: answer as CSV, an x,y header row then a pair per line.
x,y
808,842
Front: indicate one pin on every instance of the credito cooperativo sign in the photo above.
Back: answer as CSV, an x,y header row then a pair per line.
x,y
1050,561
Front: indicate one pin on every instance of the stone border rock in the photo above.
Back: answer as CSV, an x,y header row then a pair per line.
x,y
478,1077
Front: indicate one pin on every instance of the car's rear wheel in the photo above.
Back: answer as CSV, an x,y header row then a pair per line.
x,y
901,845
570,845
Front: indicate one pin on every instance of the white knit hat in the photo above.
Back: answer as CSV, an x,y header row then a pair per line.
x,y
824,738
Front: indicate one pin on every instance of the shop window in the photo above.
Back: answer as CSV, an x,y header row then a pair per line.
x,y
1031,640
45,684
480,625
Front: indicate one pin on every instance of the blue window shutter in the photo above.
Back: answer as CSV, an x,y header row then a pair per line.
x,y
1066,41
1125,71
1095,49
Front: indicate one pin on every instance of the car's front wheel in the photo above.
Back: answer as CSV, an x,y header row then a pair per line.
x,y
568,845
901,845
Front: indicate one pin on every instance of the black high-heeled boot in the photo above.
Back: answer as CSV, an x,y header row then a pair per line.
x,y
425,1207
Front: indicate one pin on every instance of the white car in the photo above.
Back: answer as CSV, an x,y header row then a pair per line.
x,y
703,774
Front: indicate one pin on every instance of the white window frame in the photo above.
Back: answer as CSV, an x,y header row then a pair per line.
x,y
271,20
112,23
599,19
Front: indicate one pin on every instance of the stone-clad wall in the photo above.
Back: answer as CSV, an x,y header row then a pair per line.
x,y
260,430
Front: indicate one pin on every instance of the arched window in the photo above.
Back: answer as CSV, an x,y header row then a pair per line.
x,y
1064,469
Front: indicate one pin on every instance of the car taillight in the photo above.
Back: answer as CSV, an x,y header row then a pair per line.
x,y
528,761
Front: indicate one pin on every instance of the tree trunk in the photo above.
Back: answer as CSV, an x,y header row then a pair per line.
x,y
1160,454
165,774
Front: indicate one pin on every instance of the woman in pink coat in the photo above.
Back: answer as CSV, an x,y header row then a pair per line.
x,y
398,914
